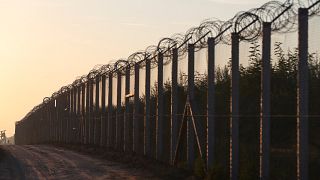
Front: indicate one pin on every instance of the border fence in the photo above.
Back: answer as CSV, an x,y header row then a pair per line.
x,y
127,106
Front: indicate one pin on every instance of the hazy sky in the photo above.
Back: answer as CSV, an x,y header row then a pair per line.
x,y
45,44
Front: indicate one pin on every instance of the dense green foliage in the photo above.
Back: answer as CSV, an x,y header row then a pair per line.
x,y
283,116
283,109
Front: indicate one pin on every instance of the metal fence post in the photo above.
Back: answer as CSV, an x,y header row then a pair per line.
x,y
127,111
83,115
40,125
210,105
234,108
110,109
97,116
190,131
174,103
56,112
78,120
136,126
147,140
49,110
54,119
91,114
49,123
160,120
265,102
46,131
69,115
103,111
69,105
119,120
87,115
302,99
74,117
66,111
66,115
61,118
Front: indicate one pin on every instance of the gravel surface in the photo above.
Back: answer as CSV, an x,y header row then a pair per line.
x,y
48,162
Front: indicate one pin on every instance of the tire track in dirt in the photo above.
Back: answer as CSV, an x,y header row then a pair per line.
x,y
49,162
61,163
103,169
33,166
57,166
9,167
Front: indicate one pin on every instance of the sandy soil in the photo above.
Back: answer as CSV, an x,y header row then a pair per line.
x,y
48,162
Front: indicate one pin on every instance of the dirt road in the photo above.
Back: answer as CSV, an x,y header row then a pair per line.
x,y
48,162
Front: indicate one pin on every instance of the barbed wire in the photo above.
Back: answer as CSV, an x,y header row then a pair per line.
x,y
248,24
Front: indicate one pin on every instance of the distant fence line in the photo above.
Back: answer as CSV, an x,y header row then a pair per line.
x,y
84,112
